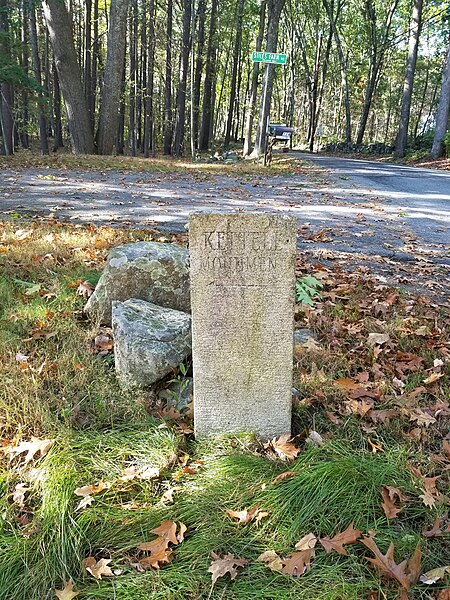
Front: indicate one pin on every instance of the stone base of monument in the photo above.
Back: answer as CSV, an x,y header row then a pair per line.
x,y
150,341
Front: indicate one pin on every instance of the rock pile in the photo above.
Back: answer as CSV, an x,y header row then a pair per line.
x,y
144,294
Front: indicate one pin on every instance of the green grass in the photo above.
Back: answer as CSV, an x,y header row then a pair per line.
x,y
100,430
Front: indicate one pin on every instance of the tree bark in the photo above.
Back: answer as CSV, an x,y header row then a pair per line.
x,y
168,125
414,33
109,111
442,111
254,84
201,13
236,56
6,89
274,10
37,75
148,102
178,136
210,69
60,30
58,141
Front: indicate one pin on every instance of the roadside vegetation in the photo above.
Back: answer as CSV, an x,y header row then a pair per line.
x,y
94,482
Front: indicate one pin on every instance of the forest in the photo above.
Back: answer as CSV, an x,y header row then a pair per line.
x,y
140,77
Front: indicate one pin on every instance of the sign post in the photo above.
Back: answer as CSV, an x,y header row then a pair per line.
x,y
269,59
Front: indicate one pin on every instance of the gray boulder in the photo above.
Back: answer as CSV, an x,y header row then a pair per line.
x,y
150,271
149,341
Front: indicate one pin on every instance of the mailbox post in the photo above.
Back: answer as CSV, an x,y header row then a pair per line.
x,y
278,132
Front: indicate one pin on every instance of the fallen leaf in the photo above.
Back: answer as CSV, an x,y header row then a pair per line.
x,y
284,447
85,289
435,531
307,542
377,339
283,476
245,516
104,342
87,501
67,593
390,496
349,536
97,568
375,447
433,377
91,490
434,575
272,560
444,594
406,572
228,564
446,447
298,563
32,447
19,494
421,417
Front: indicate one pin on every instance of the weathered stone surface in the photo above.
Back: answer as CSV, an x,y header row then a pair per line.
x,y
149,340
242,296
151,271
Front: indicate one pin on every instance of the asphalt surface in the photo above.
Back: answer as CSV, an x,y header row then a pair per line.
x,y
345,207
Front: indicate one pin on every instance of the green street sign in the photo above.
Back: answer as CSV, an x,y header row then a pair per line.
x,y
269,57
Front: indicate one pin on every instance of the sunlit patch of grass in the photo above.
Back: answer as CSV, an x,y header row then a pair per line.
x,y
162,164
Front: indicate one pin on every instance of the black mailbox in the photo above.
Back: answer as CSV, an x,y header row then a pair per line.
x,y
281,132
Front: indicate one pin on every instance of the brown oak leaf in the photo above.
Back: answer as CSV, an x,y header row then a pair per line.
x,y
390,496
246,516
85,289
298,563
228,564
283,446
272,560
435,531
67,593
406,573
97,568
349,536
283,476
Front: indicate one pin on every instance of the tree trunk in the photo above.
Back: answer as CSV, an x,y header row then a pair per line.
x,y
25,59
442,111
60,30
109,111
88,58
208,104
37,75
133,73
168,125
274,10
201,13
94,67
342,64
236,56
178,136
148,103
414,33
254,84
6,89
58,133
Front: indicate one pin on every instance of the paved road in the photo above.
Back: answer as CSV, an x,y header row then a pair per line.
x,y
344,206
416,199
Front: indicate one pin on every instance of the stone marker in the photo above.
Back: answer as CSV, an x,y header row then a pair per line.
x,y
242,300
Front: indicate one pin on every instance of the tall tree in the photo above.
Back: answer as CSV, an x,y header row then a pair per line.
x,y
6,84
60,30
36,60
178,135
254,83
208,92
236,56
148,99
442,111
413,46
378,44
112,78
201,15
274,10
168,113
